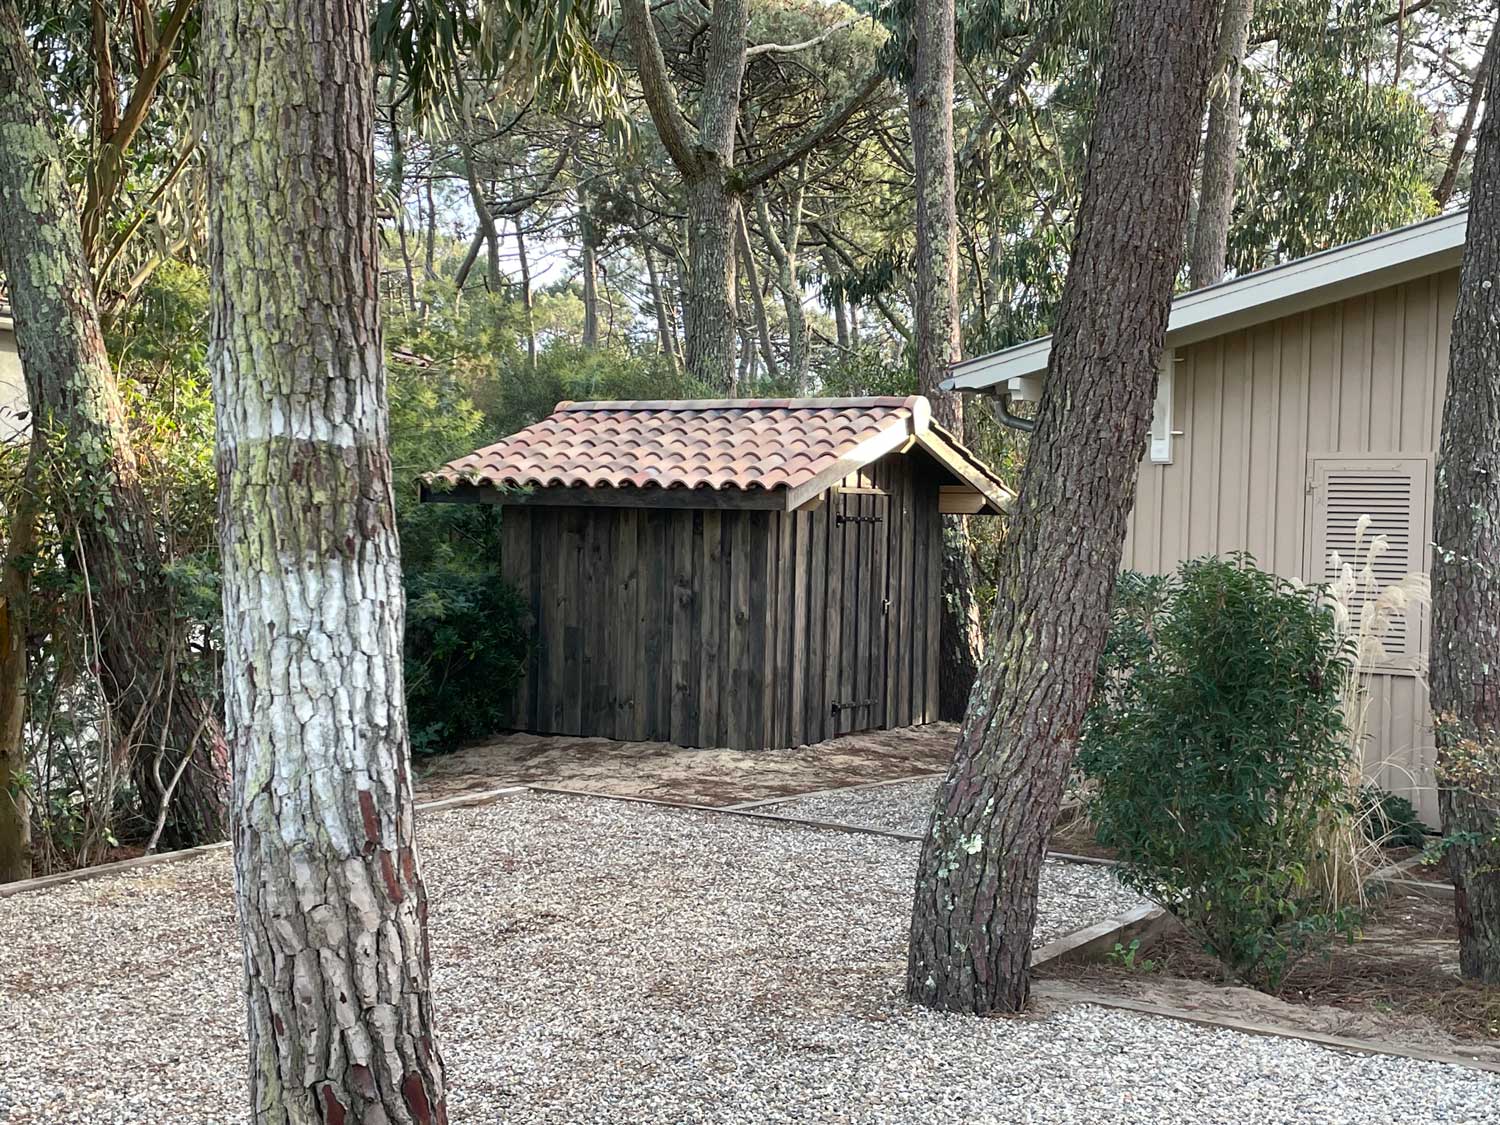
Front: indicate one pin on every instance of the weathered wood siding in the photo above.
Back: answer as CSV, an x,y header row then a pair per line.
x,y
1362,378
733,628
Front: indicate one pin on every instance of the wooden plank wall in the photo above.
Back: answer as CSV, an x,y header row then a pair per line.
x,y
733,628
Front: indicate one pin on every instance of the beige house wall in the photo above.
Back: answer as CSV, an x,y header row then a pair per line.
x,y
12,387
1256,409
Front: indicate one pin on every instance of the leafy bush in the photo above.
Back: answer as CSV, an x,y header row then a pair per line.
x,y
466,646
1214,748
1389,820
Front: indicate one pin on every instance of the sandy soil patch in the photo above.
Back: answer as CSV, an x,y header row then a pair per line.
x,y
665,772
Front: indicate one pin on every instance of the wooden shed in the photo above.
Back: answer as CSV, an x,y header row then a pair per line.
x,y
738,573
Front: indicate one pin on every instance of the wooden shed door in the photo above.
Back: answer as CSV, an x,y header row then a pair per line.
x,y
857,547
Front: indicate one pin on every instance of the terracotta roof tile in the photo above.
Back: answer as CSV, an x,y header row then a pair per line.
x,y
725,443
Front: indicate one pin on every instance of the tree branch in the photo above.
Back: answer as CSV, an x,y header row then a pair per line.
x,y
1446,185
892,317
656,86
105,176
832,122
723,75
790,48
995,104
1411,9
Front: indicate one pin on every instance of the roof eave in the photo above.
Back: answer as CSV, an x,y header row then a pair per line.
x,y
1378,262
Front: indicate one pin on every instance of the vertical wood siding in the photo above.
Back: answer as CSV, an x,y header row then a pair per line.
x,y
733,628
1362,377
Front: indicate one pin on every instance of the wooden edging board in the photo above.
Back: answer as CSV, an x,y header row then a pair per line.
x,y
1395,878
798,821
1145,922
1067,993
730,810
101,870
763,801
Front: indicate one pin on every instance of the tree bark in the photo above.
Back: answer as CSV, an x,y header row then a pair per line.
x,y
709,317
487,229
527,307
783,248
1482,70
1221,149
936,319
659,304
461,278
333,914
757,300
840,306
588,236
975,905
1464,671
429,248
158,717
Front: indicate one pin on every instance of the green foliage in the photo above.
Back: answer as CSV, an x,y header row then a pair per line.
x,y
1389,820
536,49
1215,748
865,371
566,371
466,646
1129,958
1329,156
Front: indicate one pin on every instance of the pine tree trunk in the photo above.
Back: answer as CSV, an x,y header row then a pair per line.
x,y
333,914
663,317
1464,672
590,268
783,247
429,248
1221,149
527,307
158,718
930,99
487,231
975,906
710,320
840,306
757,301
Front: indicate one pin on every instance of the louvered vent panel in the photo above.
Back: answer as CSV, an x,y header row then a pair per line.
x,y
1390,493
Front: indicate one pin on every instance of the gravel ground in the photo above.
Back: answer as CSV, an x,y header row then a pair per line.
x,y
1071,895
902,807
599,962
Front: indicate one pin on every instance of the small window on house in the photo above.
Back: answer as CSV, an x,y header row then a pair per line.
x,y
1389,497
1161,415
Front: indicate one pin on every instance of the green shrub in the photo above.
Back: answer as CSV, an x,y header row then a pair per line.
x,y
1389,820
466,646
1214,748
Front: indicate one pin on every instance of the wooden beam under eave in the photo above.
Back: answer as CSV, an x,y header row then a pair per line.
x,y
710,499
960,500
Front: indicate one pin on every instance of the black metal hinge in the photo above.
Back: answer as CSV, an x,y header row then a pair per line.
x,y
852,705
841,518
